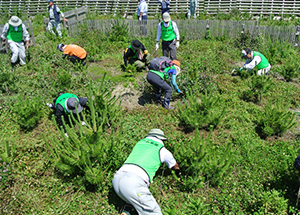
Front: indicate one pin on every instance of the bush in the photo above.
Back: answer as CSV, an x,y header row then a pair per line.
x,y
28,111
119,31
275,120
290,71
203,111
7,81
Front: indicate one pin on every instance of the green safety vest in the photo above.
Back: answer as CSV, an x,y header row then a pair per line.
x,y
62,100
130,47
264,62
16,36
145,154
164,74
167,34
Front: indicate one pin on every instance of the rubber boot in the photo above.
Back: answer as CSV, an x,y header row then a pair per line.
x,y
127,210
13,66
166,104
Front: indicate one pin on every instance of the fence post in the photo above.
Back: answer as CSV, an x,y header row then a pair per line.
x,y
296,36
31,32
256,27
76,13
243,30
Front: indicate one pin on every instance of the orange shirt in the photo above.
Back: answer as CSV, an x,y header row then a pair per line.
x,y
75,50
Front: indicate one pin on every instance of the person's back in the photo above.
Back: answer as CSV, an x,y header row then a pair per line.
x,y
72,49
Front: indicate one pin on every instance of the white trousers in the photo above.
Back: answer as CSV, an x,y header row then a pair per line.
x,y
262,71
133,190
18,51
57,26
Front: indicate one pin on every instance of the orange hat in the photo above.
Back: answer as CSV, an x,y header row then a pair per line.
x,y
176,62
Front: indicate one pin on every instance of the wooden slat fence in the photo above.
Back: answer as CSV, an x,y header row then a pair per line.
x,y
30,31
196,29
129,7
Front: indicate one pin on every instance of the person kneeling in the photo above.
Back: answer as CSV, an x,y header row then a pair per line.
x,y
76,54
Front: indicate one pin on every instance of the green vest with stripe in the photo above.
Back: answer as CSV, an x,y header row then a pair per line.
x,y
264,62
62,100
164,74
16,36
167,34
145,154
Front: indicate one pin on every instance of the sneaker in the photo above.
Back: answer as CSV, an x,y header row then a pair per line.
x,y
166,104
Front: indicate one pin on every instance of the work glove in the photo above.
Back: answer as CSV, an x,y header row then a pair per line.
x,y
50,105
83,123
129,70
177,44
157,45
27,44
241,69
178,91
66,135
145,52
3,42
178,173
140,18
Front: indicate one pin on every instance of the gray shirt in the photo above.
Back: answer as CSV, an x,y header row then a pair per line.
x,y
6,28
51,13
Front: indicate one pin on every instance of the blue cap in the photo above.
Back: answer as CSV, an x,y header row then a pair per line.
x,y
50,1
59,47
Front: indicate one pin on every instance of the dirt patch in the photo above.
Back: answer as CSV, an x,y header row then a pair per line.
x,y
130,97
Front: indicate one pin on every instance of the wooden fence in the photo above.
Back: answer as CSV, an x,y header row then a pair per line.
x,y
128,7
197,29
30,31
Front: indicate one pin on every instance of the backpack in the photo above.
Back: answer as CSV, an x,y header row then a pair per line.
x,y
297,163
160,63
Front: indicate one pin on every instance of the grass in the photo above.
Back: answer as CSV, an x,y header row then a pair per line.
x,y
228,169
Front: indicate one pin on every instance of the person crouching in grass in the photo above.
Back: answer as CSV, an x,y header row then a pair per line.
x,y
76,54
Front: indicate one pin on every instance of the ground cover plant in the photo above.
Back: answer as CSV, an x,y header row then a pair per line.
x,y
236,154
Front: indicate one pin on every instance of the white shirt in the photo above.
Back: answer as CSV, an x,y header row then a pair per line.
x,y
6,28
165,157
251,63
175,28
143,8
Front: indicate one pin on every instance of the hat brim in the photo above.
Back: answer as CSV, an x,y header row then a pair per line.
x,y
159,136
167,19
15,24
79,109
244,56
136,47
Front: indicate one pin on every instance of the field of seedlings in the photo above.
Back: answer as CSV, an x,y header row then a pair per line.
x,y
234,135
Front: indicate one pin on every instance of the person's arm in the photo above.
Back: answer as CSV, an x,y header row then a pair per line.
x,y
59,113
127,55
256,60
26,35
4,33
61,13
173,80
158,33
167,2
83,101
175,28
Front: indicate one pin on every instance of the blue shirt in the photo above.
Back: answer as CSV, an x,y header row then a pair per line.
x,y
143,8
164,5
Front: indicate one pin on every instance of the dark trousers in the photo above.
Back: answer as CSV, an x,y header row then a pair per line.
x,y
169,47
159,85
143,24
74,59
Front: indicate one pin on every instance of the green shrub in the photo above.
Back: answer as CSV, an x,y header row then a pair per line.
x,y
7,81
203,161
119,31
64,79
258,85
290,71
275,120
203,111
28,111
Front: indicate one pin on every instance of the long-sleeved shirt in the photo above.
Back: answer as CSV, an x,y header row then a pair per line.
x,y
251,63
142,8
51,13
130,53
164,5
6,28
175,28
